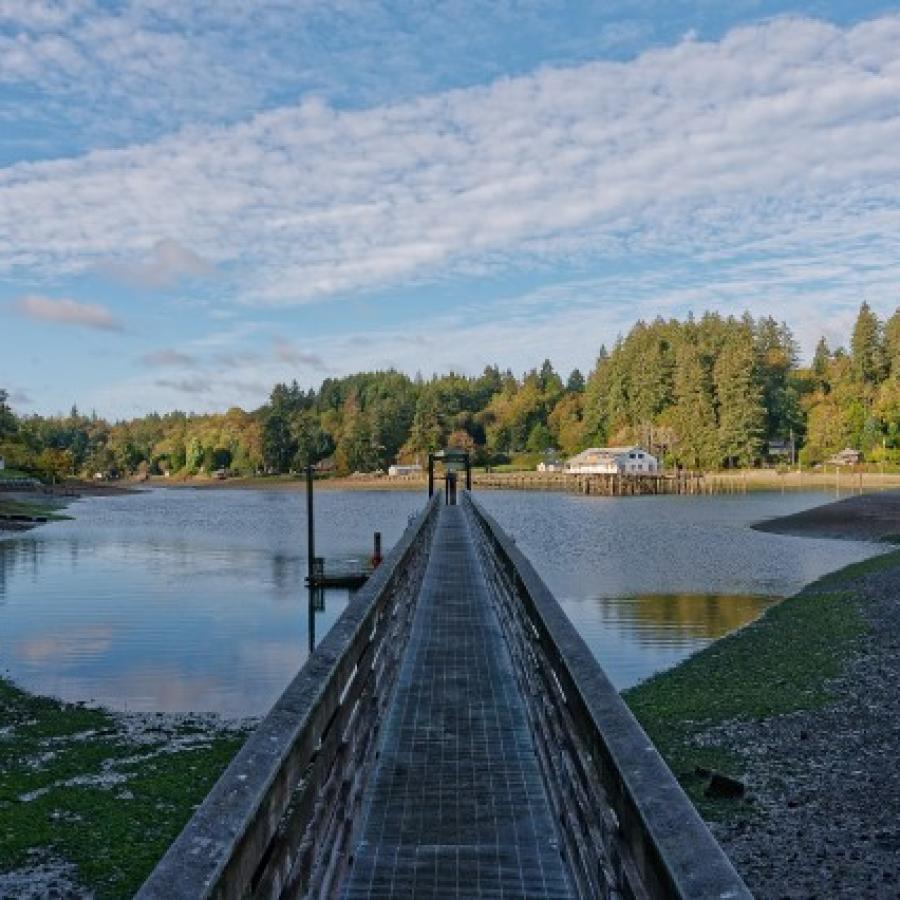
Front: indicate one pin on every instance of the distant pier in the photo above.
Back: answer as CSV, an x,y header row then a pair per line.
x,y
611,485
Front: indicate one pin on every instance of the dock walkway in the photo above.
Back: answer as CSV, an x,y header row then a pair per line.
x,y
456,805
451,736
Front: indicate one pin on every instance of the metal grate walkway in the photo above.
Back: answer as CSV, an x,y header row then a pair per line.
x,y
456,806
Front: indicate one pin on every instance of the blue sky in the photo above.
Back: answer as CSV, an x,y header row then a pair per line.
x,y
198,199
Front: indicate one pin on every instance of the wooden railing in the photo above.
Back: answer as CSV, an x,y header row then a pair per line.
x,y
280,821
627,827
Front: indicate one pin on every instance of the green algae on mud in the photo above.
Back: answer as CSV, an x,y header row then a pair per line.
x,y
99,793
30,508
781,663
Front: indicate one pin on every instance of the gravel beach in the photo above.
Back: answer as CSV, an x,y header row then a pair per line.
x,y
826,782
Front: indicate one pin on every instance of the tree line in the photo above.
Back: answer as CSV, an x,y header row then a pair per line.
x,y
701,393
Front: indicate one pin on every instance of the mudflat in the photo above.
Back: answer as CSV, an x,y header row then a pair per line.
x,y
866,517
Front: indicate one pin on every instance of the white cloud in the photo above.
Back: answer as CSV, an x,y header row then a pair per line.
x,y
196,385
167,358
780,136
169,263
66,312
286,352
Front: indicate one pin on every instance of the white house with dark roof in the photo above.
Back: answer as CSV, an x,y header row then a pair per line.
x,y
613,461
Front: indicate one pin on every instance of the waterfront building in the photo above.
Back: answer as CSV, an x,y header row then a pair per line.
x,y
847,457
612,461
397,471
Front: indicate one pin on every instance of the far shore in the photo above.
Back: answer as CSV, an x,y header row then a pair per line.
x,y
840,481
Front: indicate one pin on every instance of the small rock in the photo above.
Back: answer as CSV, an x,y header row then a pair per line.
x,y
725,787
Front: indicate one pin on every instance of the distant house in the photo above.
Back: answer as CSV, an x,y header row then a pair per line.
x,y
326,465
551,464
612,461
399,471
847,457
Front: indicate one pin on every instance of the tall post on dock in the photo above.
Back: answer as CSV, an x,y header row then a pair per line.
x,y
430,475
376,555
310,526
468,472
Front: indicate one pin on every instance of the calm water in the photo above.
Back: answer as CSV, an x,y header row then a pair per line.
x,y
194,600
649,580
178,600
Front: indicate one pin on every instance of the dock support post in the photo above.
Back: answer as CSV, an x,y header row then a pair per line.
x,y
310,526
430,475
376,556
468,472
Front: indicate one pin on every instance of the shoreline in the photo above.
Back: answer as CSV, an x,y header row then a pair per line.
x,y
726,482
22,509
801,708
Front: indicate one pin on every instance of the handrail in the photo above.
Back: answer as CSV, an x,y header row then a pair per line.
x,y
280,818
627,826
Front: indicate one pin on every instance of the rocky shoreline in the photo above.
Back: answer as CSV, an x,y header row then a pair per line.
x,y
825,782
822,813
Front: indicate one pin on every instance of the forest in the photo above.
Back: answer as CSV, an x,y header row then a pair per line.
x,y
703,393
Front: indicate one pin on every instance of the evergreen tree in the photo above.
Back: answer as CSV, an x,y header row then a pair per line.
x,y
776,358
892,343
313,443
652,366
8,423
596,391
867,347
549,380
739,400
575,382
279,446
693,415
821,358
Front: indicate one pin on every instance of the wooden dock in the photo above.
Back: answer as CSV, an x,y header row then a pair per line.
x,y
339,573
452,736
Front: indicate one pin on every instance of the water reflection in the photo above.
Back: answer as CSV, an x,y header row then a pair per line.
x,y
681,619
649,580
633,637
177,600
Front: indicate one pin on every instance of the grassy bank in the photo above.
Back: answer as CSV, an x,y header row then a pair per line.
x,y
95,796
781,663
